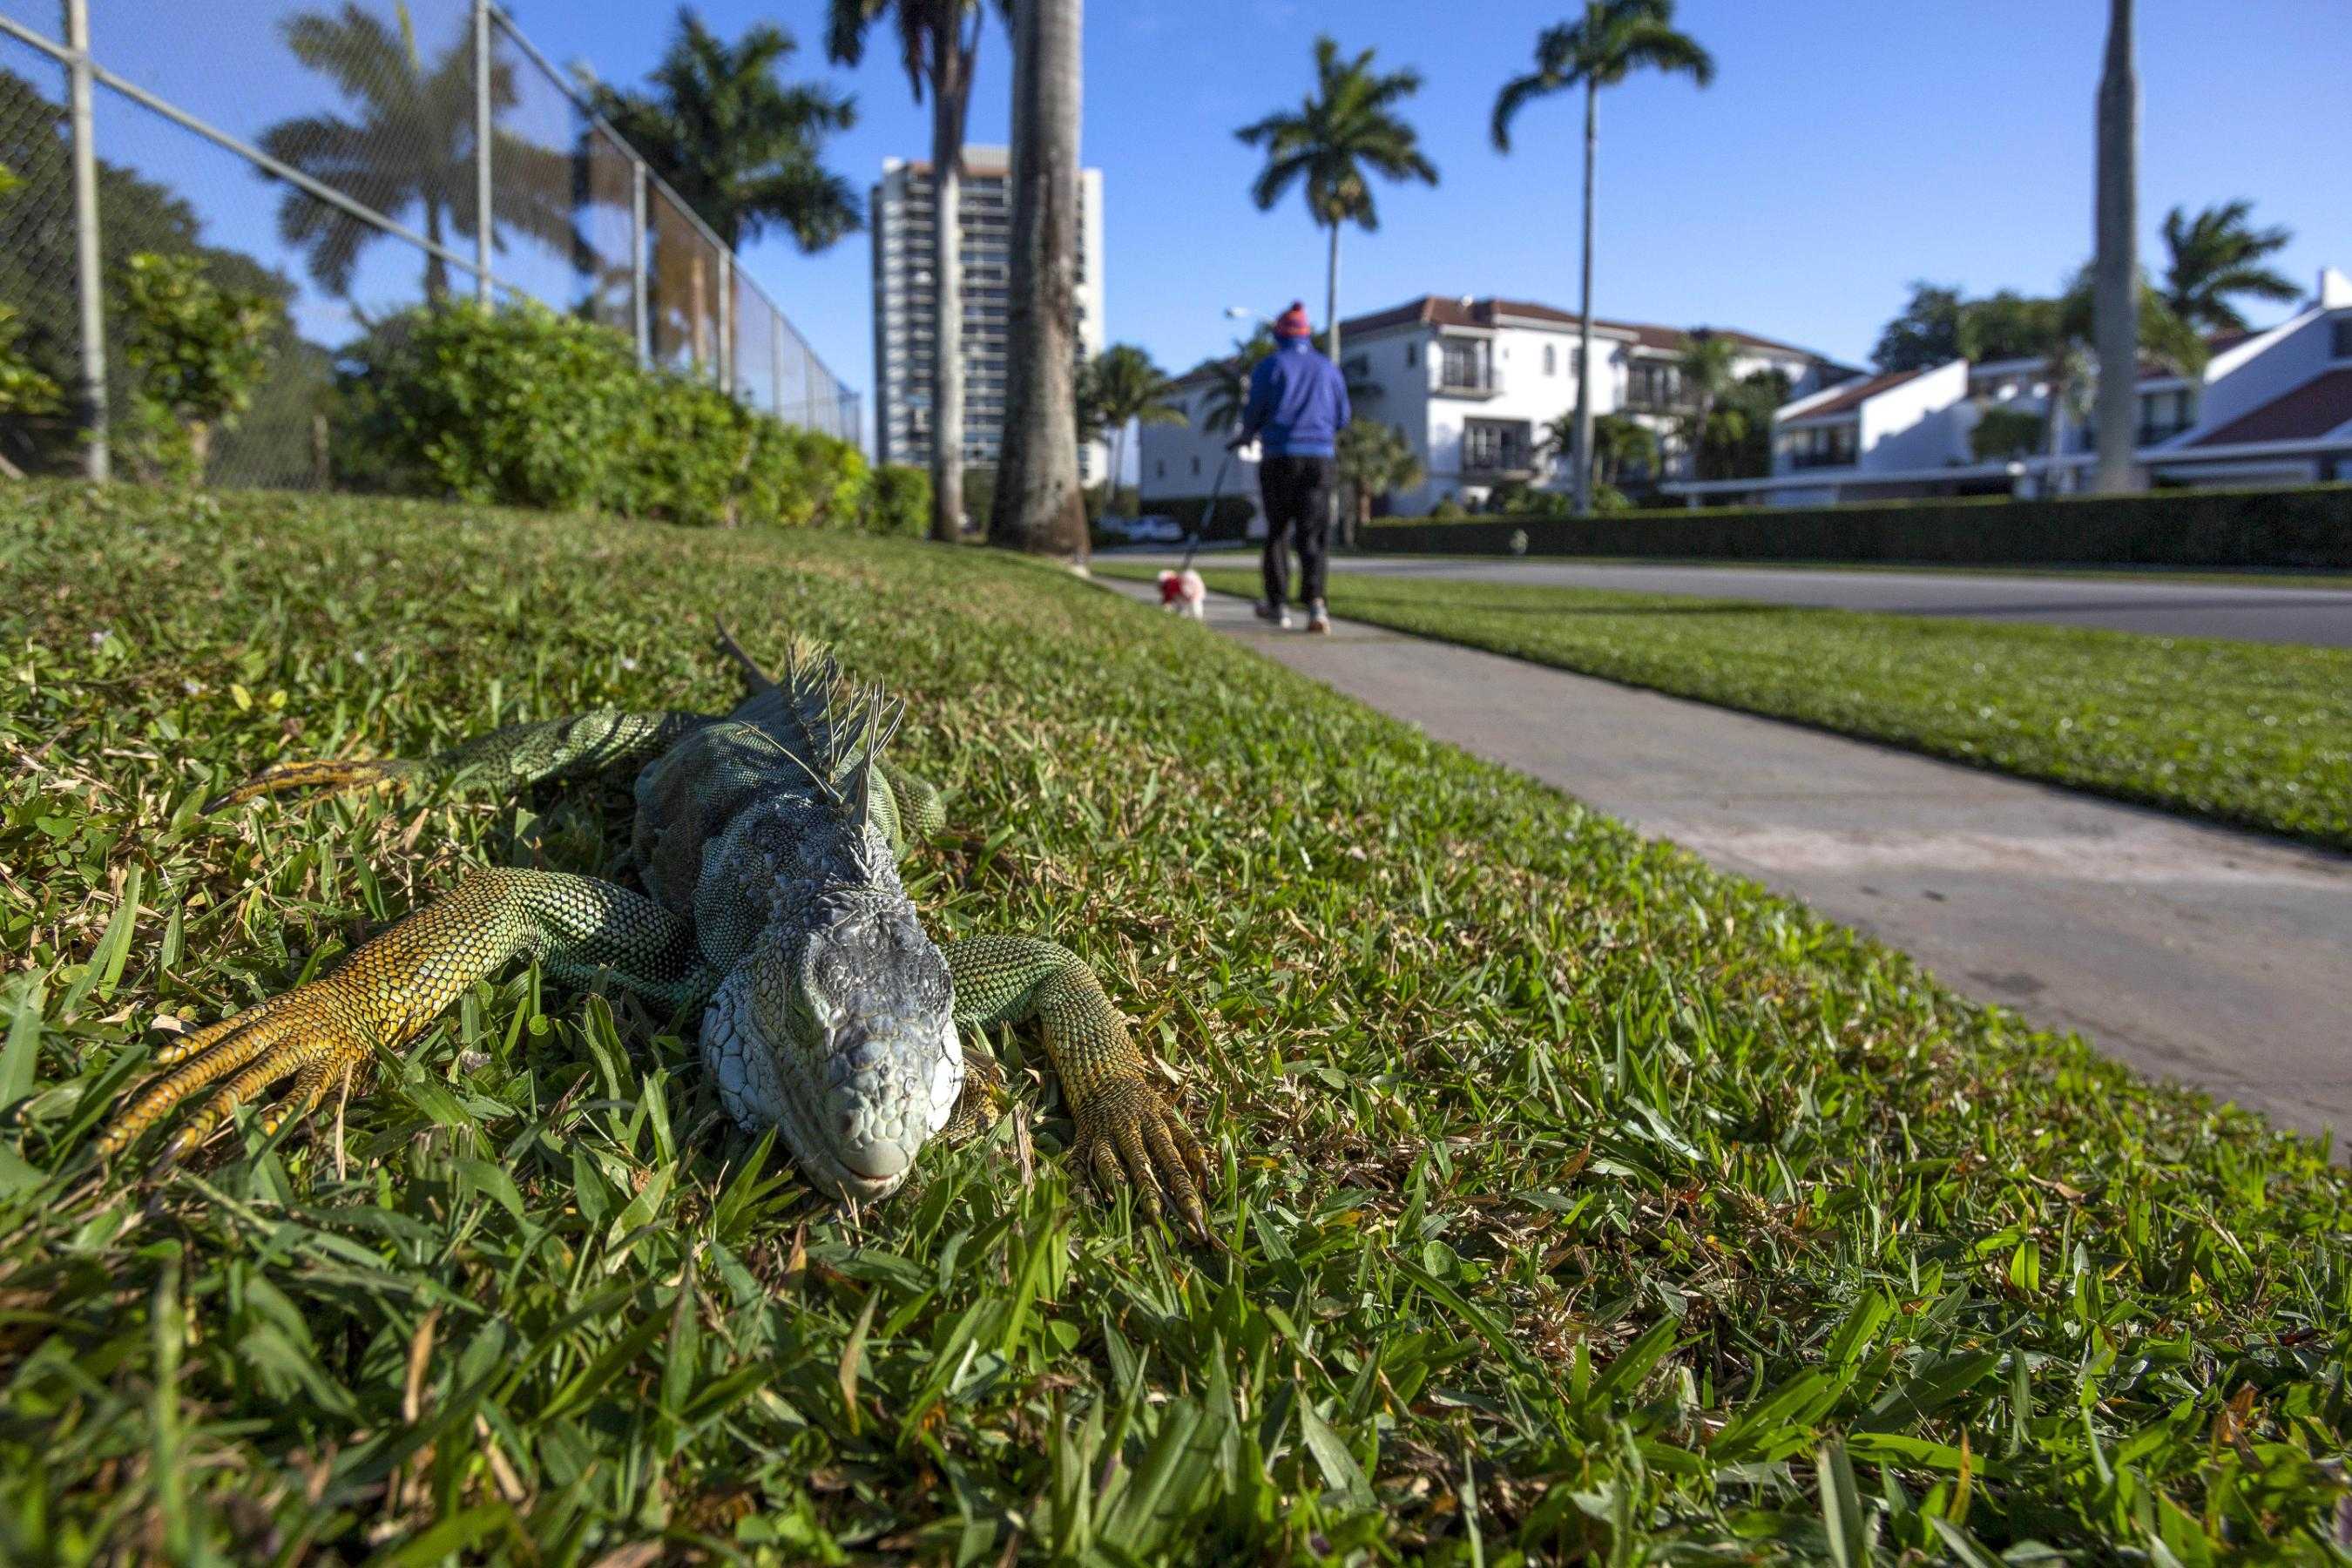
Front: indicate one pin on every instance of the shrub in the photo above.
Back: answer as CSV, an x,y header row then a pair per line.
x,y
196,349
518,406
2002,433
692,449
527,408
901,501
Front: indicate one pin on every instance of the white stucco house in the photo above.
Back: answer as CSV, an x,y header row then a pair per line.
x,y
2271,407
1471,383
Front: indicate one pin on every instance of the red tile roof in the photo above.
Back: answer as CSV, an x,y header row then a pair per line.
x,y
1855,394
2312,409
1440,310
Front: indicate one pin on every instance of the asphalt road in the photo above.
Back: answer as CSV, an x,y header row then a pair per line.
x,y
2319,616
2217,958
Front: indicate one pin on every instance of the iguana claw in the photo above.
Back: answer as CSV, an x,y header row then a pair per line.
x,y
1129,1135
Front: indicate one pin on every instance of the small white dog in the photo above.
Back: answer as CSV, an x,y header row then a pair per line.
x,y
1185,593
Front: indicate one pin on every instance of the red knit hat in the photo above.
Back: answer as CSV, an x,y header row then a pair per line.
x,y
1292,323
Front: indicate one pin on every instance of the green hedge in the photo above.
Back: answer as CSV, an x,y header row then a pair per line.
x,y
526,407
2306,527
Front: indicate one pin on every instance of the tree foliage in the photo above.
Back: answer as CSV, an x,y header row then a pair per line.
x,y
1347,125
1373,460
1230,376
271,443
2216,256
1620,444
738,143
410,152
1121,386
1601,49
1926,333
196,351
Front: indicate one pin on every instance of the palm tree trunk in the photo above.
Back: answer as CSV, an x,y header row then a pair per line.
x,y
2115,298
1583,463
1038,504
437,271
950,89
1331,297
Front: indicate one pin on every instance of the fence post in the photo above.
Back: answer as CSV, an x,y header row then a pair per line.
x,y
483,215
90,281
637,267
727,322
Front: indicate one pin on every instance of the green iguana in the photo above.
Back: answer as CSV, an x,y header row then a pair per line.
x,y
768,841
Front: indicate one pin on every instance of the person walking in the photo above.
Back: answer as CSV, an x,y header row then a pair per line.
x,y
1298,405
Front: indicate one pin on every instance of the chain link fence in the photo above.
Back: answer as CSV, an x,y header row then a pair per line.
x,y
337,158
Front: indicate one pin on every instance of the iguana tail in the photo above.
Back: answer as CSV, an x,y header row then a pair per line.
x,y
756,680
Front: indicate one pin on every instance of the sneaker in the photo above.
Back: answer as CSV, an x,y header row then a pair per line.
x,y
1269,611
1319,619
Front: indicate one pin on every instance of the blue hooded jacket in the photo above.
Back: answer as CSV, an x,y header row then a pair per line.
x,y
1297,402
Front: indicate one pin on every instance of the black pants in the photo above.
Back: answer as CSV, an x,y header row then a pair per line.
x,y
1296,491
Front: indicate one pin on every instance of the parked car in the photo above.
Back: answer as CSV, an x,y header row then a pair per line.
x,y
1145,530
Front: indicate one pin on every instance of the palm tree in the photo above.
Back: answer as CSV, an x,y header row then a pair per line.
x,y
412,148
938,41
2159,336
1706,367
1612,39
2216,254
737,143
1374,460
2116,263
1347,124
1619,442
1038,503
1229,392
1122,386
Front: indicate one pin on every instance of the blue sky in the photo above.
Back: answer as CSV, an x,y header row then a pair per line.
x,y
1846,148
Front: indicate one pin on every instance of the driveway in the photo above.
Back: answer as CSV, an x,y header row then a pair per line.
x,y
2219,959
2320,617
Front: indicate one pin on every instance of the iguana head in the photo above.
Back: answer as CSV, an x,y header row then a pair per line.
x,y
840,1037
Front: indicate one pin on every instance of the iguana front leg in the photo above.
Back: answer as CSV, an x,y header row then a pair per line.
x,y
1127,1131
512,757
391,988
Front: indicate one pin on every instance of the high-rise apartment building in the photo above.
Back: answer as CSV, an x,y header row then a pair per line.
x,y
904,334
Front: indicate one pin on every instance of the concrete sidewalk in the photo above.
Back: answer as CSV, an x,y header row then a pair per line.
x,y
2278,612
2218,958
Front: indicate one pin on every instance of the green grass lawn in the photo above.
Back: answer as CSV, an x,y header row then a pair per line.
x,y
1576,1200
2254,734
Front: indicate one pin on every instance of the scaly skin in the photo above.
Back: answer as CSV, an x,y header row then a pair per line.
x,y
765,840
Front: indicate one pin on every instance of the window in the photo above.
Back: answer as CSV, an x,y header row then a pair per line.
x,y
1464,367
2341,343
1356,367
1551,366
1495,445
1160,468
2164,414
1652,385
1196,468
1410,359
1823,446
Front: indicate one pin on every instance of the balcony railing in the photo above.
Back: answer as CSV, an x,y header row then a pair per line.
x,y
1821,459
1456,382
